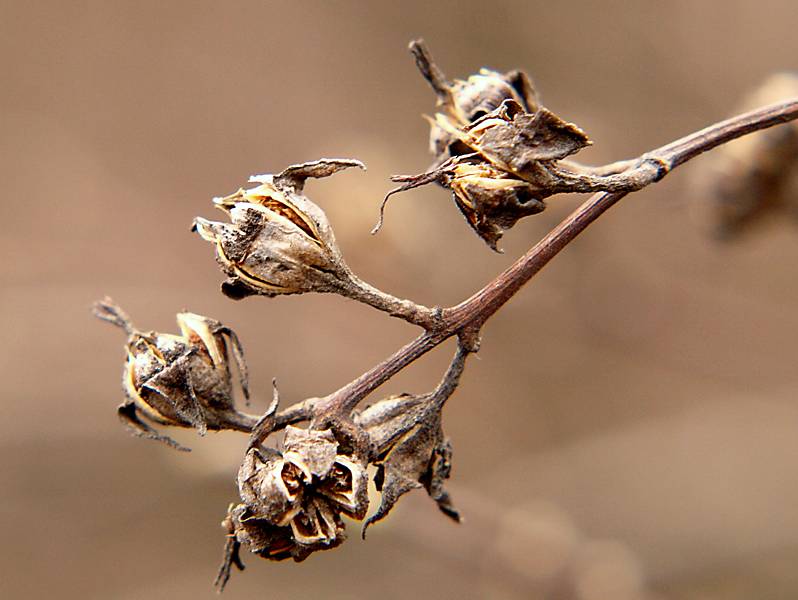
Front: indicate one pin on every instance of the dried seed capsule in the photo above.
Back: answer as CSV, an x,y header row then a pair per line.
x,y
346,486
491,200
496,149
314,450
180,380
292,501
272,486
522,143
460,103
412,451
410,447
278,242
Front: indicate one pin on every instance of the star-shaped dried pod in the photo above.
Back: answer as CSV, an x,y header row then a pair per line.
x,y
179,380
293,500
278,241
462,102
411,450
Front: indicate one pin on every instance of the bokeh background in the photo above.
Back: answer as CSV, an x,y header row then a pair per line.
x,y
630,428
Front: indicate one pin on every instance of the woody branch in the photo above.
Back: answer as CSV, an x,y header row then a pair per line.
x,y
468,317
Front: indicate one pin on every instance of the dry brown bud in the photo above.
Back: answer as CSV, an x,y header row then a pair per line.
x,y
179,380
463,102
521,143
278,242
496,148
411,450
490,199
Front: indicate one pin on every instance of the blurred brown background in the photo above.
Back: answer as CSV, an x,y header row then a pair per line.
x,y
630,427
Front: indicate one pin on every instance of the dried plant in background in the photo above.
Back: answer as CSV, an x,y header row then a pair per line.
x,y
501,154
756,176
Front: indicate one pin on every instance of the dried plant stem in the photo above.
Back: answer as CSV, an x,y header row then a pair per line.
x,y
466,318
417,314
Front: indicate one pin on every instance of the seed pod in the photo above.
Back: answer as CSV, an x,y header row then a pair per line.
x,y
412,451
463,102
346,486
522,143
279,242
491,200
272,486
293,501
179,380
311,462
314,450
495,148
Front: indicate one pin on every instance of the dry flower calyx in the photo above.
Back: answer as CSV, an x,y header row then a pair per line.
x,y
412,451
278,241
179,380
500,152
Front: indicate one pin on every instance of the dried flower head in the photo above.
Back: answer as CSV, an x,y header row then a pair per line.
x,y
495,148
292,501
521,143
491,200
179,380
278,241
411,450
460,103
756,176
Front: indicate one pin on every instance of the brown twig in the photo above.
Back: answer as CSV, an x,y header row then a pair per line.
x,y
501,155
407,310
470,315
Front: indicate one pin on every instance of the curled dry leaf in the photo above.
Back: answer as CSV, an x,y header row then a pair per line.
x,y
278,241
179,380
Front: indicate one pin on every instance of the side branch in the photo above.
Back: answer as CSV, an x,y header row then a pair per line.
x,y
407,310
472,313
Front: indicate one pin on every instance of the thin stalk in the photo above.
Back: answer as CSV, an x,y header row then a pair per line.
x,y
471,314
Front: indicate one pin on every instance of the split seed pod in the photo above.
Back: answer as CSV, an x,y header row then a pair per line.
x,y
495,148
460,103
293,501
409,445
491,200
522,143
411,449
278,242
179,380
